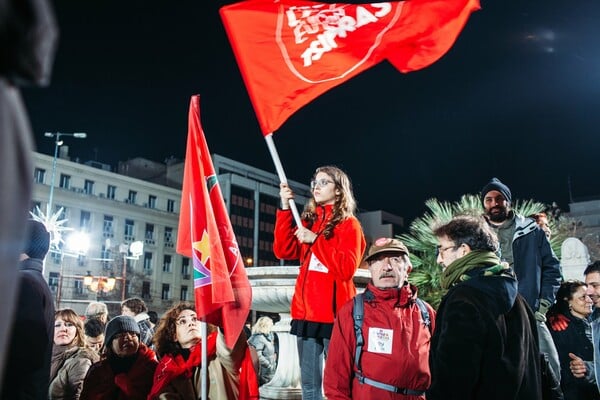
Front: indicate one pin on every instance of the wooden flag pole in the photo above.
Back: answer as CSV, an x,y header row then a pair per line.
x,y
281,174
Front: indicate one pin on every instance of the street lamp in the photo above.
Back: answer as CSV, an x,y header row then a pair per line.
x,y
57,143
77,245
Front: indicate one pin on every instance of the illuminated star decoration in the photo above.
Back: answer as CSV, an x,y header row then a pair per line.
x,y
55,224
200,256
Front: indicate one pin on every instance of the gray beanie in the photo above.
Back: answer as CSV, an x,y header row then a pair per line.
x,y
119,324
495,184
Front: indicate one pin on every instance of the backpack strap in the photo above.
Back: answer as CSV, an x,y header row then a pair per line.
x,y
358,312
424,313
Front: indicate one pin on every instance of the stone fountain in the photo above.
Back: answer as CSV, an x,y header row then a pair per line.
x,y
272,290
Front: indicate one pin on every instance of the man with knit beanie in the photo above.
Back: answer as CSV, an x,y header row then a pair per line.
x,y
525,248
484,345
127,371
27,371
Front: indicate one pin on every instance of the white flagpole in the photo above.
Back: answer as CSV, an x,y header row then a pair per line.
x,y
281,173
204,369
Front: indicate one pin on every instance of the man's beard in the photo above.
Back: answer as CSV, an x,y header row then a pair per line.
x,y
499,216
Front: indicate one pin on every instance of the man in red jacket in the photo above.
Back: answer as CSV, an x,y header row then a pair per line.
x,y
395,333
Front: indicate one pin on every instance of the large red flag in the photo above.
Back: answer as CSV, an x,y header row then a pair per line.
x,y
221,287
291,51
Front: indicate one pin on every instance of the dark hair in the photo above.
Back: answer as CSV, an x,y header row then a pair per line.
x,y
594,267
469,230
153,316
135,304
164,337
68,315
93,327
344,205
564,294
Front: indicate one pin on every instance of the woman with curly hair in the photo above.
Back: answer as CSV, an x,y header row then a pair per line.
x,y
573,305
71,360
178,343
329,244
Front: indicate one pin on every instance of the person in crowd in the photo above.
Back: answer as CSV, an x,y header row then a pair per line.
x,y
30,348
542,220
579,367
388,357
329,245
178,344
97,310
71,360
263,340
126,368
136,308
94,334
574,304
485,343
525,247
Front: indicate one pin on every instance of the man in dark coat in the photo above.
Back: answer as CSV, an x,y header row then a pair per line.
x,y
485,342
27,369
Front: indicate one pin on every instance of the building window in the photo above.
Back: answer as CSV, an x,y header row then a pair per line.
x,y
151,201
65,181
53,281
146,290
147,261
106,256
166,291
88,186
184,293
78,285
167,258
168,236
107,226
149,235
111,191
185,267
131,197
170,205
85,221
129,227
38,175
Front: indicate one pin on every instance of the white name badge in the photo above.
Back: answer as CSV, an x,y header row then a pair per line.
x,y
381,340
316,265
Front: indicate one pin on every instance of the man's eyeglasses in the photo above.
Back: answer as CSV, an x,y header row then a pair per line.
x,y
441,250
321,183
184,321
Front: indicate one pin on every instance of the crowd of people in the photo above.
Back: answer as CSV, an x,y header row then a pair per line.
x,y
507,327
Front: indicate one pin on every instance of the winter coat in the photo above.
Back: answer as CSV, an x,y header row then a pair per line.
x,y
574,339
327,266
404,364
265,350
535,264
485,344
101,383
71,366
28,362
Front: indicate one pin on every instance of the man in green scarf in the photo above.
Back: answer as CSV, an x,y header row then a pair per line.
x,y
485,343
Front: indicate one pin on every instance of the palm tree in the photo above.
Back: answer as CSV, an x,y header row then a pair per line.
x,y
423,244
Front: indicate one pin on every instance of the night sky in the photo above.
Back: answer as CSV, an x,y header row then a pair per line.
x,y
517,97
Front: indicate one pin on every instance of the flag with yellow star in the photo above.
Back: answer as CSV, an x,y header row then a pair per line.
x,y
221,287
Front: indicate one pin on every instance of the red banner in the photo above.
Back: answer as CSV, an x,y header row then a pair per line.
x,y
221,287
291,51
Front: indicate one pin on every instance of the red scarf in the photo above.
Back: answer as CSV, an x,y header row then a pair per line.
x,y
171,367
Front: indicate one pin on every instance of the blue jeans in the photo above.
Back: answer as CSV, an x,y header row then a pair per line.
x,y
312,351
547,346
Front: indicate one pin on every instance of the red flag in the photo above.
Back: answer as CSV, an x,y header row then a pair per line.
x,y
221,287
291,51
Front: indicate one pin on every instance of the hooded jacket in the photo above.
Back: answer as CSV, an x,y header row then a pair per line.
x,y
485,344
403,364
327,266
71,366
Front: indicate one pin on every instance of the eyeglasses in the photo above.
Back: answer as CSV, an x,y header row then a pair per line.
x,y
393,261
442,250
184,321
321,183
122,335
